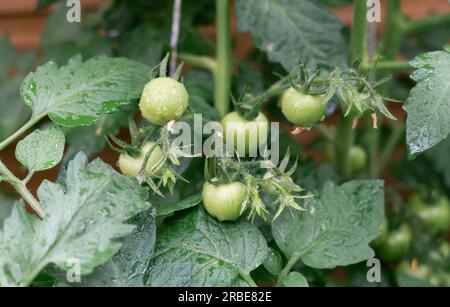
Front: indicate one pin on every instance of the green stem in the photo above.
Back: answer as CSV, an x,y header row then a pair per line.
x,y
199,61
326,132
358,52
395,137
359,32
344,142
288,267
428,22
373,138
21,188
386,67
248,279
396,25
224,57
28,125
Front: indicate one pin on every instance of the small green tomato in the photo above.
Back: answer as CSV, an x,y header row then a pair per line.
x,y
358,158
224,201
130,166
163,99
237,129
435,215
301,109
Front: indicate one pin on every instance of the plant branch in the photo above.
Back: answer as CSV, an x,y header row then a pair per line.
x,y
359,32
248,279
392,42
396,26
344,142
20,187
394,138
427,22
288,267
389,66
358,52
28,125
223,69
204,62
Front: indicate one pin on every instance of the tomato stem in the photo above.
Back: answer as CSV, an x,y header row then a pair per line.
x,y
21,188
248,279
345,134
28,125
224,57
204,62
392,42
359,32
427,22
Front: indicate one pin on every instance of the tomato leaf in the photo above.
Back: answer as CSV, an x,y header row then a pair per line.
x,y
127,268
42,149
274,262
163,208
76,94
91,139
195,249
135,45
337,227
84,217
294,30
6,205
428,104
294,279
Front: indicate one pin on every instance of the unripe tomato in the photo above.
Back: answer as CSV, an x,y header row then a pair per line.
x,y
358,158
163,100
130,166
435,215
301,109
397,244
224,201
236,128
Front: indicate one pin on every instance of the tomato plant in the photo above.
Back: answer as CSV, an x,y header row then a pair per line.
x,y
136,115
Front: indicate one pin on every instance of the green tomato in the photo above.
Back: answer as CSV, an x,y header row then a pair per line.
x,y
130,166
435,215
358,158
237,129
396,245
301,109
163,100
224,201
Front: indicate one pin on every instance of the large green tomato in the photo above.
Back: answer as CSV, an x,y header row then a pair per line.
x,y
396,245
163,100
237,129
435,215
301,109
224,201
130,166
